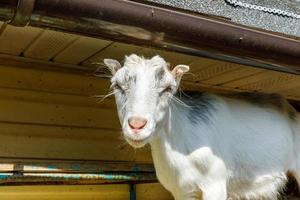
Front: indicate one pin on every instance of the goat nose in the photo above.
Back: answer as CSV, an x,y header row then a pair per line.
x,y
137,123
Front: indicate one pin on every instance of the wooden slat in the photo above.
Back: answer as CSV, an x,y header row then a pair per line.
x,y
151,191
86,192
291,86
270,82
55,98
31,63
57,114
251,79
80,50
51,81
192,86
214,70
170,57
71,166
201,63
295,92
60,142
114,51
49,44
282,83
15,39
231,75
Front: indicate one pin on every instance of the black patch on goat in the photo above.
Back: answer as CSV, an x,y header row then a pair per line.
x,y
200,106
261,99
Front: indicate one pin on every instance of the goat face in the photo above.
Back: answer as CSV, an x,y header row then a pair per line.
x,y
143,89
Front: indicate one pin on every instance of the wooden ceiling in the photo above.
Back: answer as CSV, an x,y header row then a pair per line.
x,y
77,51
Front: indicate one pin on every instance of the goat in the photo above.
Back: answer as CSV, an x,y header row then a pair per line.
x,y
206,146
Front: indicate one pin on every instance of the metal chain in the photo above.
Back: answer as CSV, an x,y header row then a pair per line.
x,y
264,9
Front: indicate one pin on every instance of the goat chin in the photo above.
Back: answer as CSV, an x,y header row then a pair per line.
x,y
136,143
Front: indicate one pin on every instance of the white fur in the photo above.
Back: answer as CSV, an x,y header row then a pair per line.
x,y
243,151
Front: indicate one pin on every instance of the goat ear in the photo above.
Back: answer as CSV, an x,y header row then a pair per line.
x,y
179,71
113,65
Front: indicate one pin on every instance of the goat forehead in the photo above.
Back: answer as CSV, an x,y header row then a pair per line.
x,y
144,72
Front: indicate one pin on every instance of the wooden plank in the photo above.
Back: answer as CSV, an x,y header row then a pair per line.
x,y
171,57
295,92
57,114
147,191
270,82
22,62
150,191
61,143
283,83
49,44
251,79
214,70
193,86
71,166
52,81
75,192
115,51
55,98
201,63
14,40
80,50
232,75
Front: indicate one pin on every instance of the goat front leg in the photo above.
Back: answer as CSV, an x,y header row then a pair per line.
x,y
215,191
194,195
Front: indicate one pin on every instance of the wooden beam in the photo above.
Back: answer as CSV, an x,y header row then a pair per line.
x,y
22,62
52,192
71,166
57,114
147,191
45,97
63,142
150,191
49,44
52,81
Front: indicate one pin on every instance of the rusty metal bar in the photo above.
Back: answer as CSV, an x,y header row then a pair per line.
x,y
75,178
24,171
149,25
63,166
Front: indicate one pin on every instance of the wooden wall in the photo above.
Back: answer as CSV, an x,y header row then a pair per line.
x,y
145,191
46,114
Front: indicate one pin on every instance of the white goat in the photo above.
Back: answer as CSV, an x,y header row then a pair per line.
x,y
206,146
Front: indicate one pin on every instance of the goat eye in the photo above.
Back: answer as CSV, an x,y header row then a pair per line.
x,y
167,89
116,86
